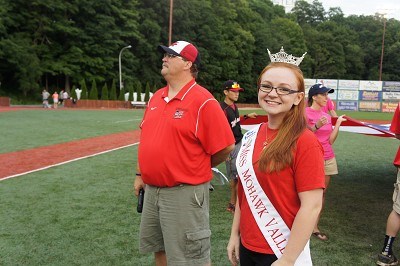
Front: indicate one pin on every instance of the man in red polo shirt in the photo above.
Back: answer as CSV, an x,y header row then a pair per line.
x,y
184,134
386,257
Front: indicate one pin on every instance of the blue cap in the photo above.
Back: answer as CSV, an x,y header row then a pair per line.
x,y
319,89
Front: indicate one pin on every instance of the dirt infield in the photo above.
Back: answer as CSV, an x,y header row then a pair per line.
x,y
19,162
11,109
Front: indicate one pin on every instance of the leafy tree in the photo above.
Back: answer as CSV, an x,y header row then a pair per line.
x,y
21,66
311,14
138,90
369,30
391,70
293,39
302,12
327,55
121,96
147,92
54,44
130,89
104,92
73,93
84,93
353,53
355,67
391,59
64,41
94,94
153,28
113,91
335,14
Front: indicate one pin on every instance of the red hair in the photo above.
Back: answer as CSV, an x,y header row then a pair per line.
x,y
279,153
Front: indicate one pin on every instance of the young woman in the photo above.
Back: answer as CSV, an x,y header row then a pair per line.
x,y
329,108
281,172
321,124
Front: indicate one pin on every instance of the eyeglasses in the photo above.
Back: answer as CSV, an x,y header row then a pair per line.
x,y
279,90
170,56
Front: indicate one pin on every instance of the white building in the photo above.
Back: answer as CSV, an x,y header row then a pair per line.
x,y
287,4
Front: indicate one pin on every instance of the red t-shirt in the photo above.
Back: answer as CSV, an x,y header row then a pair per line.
x,y
179,136
282,188
395,128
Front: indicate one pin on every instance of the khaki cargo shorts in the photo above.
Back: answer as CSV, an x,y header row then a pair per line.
x,y
396,195
176,220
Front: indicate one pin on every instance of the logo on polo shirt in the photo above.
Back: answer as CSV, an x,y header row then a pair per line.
x,y
179,114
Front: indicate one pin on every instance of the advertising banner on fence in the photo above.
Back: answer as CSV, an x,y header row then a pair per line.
x,y
347,105
391,95
330,83
369,106
362,95
391,91
389,107
349,84
391,86
308,83
369,85
347,95
370,95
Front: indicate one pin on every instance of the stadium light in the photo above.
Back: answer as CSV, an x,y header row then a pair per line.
x,y
120,72
383,48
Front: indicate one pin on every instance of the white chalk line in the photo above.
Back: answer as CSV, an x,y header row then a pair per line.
x,y
126,121
69,161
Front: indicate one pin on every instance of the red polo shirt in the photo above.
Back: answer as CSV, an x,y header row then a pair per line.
x,y
180,135
395,128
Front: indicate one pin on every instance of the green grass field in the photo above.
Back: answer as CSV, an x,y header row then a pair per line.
x,y
84,213
37,127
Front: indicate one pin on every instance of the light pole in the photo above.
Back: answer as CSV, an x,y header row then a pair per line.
x,y
171,9
120,72
383,47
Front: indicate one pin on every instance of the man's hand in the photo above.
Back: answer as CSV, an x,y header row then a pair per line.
x,y
138,184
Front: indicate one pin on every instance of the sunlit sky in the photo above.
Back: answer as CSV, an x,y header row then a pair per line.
x,y
365,7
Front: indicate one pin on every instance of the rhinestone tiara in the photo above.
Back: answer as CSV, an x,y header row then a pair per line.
x,y
283,57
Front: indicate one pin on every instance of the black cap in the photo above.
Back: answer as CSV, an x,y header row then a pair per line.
x,y
232,86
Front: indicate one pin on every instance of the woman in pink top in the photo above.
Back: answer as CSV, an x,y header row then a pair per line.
x,y
321,124
329,108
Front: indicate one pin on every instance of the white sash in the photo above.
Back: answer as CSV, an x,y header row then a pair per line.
x,y
271,224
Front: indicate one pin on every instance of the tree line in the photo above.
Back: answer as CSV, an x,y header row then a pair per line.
x,y
57,44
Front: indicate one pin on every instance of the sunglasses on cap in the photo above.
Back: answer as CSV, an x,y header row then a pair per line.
x,y
170,56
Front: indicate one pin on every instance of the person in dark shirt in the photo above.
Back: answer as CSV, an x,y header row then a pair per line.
x,y
231,90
